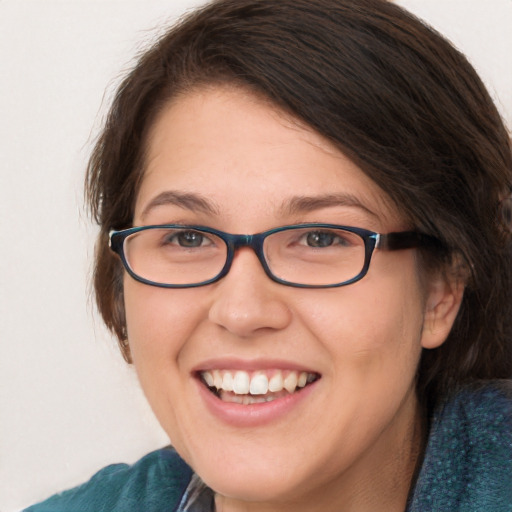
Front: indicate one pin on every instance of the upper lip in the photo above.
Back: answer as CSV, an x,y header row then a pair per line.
x,y
251,365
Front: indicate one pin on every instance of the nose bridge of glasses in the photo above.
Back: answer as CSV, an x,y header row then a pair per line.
x,y
255,242
239,241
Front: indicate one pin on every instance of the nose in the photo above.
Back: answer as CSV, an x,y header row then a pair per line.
x,y
246,301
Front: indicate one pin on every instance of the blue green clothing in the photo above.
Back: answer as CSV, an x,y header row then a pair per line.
x,y
467,467
155,483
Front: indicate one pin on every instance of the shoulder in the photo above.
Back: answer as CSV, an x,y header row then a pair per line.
x,y
480,415
153,484
468,459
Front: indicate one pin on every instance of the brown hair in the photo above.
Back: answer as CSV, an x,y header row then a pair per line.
x,y
390,92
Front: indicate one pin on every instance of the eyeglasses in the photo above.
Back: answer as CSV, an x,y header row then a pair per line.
x,y
302,255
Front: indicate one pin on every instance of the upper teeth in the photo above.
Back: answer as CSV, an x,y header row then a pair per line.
x,y
256,383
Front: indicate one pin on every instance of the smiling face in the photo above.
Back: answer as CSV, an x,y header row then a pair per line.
x,y
222,158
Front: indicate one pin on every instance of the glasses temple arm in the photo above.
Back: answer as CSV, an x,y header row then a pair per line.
x,y
408,240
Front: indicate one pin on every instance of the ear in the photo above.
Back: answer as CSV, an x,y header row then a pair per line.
x,y
444,297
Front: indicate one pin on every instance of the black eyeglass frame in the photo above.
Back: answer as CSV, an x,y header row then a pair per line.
x,y
372,240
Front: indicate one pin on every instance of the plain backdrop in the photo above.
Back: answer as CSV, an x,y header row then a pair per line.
x,y
68,403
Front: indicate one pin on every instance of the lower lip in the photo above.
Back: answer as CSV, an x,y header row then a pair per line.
x,y
253,415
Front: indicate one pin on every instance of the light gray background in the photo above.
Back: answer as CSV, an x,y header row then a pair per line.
x,y
68,403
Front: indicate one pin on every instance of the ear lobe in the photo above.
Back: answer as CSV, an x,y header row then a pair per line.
x,y
443,302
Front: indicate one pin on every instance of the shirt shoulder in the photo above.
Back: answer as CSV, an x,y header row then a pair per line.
x,y
468,458
155,483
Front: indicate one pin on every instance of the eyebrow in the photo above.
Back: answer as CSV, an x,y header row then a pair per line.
x,y
299,204
185,200
304,204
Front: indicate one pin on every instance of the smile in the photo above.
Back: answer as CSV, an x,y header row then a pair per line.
x,y
242,387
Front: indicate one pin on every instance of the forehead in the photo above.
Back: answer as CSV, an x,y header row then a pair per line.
x,y
243,155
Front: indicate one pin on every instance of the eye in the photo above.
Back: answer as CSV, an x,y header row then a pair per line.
x,y
189,239
321,239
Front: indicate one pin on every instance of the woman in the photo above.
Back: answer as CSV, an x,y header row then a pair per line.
x,y
305,252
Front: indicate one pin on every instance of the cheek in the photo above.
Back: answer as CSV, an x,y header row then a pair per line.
x,y
158,320
159,323
375,323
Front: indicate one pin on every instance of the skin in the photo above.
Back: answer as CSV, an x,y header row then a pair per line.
x,y
353,442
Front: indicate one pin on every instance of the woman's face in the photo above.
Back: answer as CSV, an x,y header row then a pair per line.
x,y
223,158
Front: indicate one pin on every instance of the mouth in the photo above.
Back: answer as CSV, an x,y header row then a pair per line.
x,y
255,387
